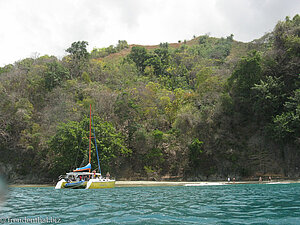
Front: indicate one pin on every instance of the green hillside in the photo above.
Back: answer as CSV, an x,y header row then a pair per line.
x,y
202,109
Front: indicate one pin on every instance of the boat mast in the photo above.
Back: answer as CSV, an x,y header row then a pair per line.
x,y
96,146
90,136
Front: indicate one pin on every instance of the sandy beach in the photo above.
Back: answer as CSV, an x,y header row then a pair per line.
x,y
164,183
196,183
171,183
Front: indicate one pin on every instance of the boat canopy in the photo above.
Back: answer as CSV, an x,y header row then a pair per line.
x,y
81,174
87,167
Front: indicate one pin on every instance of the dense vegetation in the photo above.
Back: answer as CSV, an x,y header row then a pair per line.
x,y
201,109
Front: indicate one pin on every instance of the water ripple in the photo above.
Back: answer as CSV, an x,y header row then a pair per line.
x,y
230,204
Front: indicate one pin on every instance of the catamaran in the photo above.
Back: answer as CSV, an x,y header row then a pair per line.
x,y
84,177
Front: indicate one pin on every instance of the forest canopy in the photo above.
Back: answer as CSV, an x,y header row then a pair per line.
x,y
202,109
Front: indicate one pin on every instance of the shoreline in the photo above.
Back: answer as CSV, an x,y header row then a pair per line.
x,y
171,183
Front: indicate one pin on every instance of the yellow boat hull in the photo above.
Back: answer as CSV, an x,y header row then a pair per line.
x,y
101,184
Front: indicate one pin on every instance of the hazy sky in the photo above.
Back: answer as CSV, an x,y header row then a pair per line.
x,y
49,27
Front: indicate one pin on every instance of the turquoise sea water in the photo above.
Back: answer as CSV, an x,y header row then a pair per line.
x,y
226,204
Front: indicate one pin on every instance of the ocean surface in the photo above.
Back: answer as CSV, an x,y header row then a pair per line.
x,y
225,204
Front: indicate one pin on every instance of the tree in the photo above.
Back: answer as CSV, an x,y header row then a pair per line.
x,y
268,97
155,157
222,48
122,44
195,152
203,39
55,74
139,55
285,57
78,57
6,68
154,61
78,50
287,125
245,76
69,146
164,45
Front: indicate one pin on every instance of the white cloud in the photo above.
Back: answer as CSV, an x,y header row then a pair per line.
x,y
50,26
250,19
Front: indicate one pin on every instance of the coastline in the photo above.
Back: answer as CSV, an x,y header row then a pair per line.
x,y
171,183
195,183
